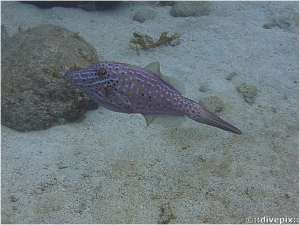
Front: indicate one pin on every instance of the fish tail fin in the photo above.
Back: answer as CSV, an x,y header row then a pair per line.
x,y
203,115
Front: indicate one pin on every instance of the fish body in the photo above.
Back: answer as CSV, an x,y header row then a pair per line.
x,y
130,89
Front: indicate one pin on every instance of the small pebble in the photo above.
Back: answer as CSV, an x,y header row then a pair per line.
x,y
268,25
62,167
231,75
166,214
287,195
203,88
144,15
213,103
13,198
248,91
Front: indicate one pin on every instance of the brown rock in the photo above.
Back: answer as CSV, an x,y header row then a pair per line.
x,y
33,94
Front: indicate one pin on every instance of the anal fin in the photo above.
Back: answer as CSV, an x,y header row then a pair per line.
x,y
166,121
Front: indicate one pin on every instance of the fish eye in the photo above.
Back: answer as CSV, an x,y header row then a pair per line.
x,y
102,71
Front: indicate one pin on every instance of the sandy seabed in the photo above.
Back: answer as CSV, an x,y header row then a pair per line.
x,y
111,168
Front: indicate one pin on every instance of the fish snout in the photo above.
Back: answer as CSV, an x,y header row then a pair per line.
x,y
69,76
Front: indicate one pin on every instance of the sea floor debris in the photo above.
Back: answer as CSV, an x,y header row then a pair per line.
x,y
146,42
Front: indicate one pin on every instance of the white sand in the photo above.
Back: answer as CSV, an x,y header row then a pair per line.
x,y
111,168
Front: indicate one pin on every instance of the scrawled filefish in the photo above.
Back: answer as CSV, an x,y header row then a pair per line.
x,y
130,89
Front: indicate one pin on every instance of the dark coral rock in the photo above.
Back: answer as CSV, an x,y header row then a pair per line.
x,y
85,5
167,3
33,94
197,8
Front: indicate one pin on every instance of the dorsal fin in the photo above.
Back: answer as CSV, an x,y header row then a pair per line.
x,y
177,84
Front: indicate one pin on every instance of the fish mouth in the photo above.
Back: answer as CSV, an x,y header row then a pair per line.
x,y
69,76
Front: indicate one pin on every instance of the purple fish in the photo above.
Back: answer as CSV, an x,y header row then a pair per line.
x,y
131,89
